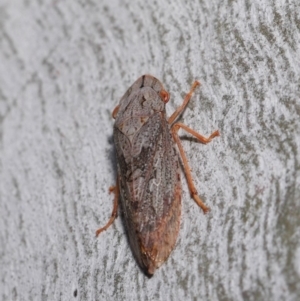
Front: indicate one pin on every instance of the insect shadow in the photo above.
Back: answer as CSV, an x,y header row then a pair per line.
x,y
188,138
112,155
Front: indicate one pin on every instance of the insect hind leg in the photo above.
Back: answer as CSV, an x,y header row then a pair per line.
x,y
114,214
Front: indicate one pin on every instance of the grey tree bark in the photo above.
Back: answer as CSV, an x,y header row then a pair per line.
x,y
64,66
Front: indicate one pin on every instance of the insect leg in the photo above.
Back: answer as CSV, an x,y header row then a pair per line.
x,y
201,138
114,214
187,169
187,98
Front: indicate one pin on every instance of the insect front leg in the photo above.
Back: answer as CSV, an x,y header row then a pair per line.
x,y
186,167
186,100
114,214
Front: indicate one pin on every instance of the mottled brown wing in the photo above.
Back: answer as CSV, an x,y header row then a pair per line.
x,y
150,190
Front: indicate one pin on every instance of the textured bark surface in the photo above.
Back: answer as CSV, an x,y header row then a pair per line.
x,y
64,66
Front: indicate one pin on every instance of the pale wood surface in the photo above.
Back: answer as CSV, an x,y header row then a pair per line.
x,y
63,67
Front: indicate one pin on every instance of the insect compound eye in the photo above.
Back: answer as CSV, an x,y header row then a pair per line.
x,y
165,96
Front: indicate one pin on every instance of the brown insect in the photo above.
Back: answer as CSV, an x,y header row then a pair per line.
x,y
148,170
